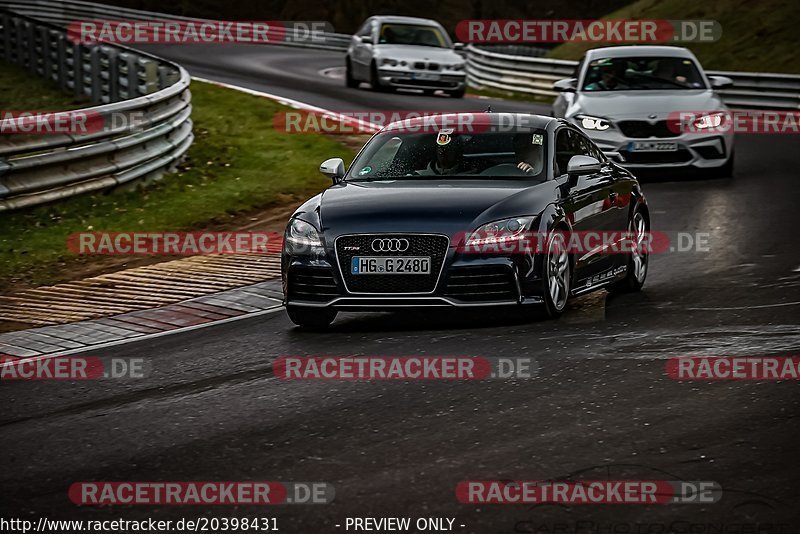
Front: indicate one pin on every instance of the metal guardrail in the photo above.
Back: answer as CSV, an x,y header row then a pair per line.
x,y
149,97
63,12
535,76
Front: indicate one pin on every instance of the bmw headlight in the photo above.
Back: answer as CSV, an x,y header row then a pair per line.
x,y
457,66
711,120
390,62
301,237
500,232
593,123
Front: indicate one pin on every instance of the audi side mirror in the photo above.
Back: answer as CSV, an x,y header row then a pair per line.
x,y
582,165
567,85
333,168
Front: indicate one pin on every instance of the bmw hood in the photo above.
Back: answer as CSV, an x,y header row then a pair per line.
x,y
443,206
644,104
418,53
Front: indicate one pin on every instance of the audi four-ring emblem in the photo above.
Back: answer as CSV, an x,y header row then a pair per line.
x,y
390,245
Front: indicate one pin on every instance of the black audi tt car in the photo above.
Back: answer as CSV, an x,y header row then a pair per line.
x,y
433,213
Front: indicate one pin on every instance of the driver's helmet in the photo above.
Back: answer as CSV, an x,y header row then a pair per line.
x,y
449,149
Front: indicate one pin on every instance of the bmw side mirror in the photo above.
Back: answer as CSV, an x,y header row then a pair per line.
x,y
567,85
458,47
720,82
582,165
366,39
333,168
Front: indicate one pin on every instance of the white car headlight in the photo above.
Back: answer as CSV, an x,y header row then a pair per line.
x,y
498,232
588,122
301,236
388,61
711,120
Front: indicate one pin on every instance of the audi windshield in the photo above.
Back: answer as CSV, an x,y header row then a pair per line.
x,y
447,154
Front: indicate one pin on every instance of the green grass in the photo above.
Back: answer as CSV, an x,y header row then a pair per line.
x,y
238,164
756,36
20,90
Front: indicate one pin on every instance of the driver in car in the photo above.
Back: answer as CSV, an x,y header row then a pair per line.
x,y
529,152
449,156
612,76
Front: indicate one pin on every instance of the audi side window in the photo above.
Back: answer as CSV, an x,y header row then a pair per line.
x,y
593,150
564,151
583,146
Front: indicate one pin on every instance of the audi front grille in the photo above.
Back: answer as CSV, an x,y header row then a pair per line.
x,y
430,245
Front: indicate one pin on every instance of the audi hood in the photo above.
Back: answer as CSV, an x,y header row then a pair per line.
x,y
442,206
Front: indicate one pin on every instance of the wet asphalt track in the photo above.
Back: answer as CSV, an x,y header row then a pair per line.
x,y
600,405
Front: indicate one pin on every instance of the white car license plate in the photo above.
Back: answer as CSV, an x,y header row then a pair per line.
x,y
653,146
391,265
425,76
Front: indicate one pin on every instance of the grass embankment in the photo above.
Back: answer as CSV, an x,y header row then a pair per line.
x,y
756,36
238,166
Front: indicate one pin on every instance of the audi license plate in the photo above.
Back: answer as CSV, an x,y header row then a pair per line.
x,y
653,146
391,265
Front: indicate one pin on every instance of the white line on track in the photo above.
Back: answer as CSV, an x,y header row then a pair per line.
x,y
747,307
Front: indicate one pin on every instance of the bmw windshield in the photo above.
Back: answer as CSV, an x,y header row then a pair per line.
x,y
412,34
642,73
449,154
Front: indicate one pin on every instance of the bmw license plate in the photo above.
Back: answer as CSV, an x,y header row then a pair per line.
x,y
425,76
652,146
391,265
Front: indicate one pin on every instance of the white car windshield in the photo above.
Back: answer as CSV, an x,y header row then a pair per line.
x,y
447,154
412,34
642,73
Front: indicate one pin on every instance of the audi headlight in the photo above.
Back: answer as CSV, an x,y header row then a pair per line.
x,y
593,123
498,232
301,237
712,120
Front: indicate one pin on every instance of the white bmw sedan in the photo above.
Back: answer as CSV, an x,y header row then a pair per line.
x,y
650,107
405,52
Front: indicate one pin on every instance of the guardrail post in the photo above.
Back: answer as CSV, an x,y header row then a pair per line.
x,y
95,75
146,76
5,44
